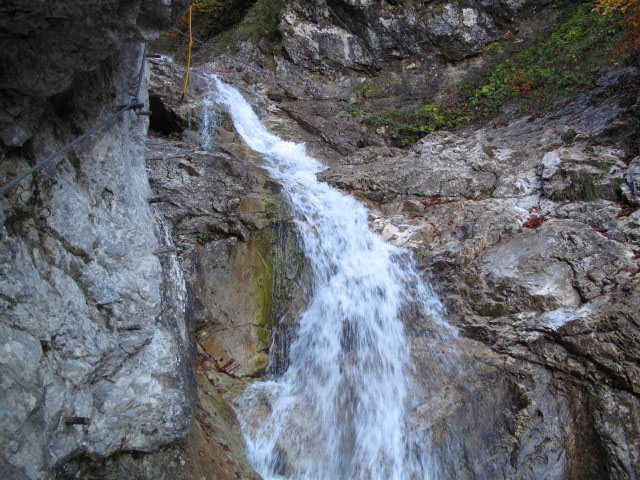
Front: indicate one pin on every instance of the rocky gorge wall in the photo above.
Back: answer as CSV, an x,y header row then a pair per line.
x,y
534,268
528,225
106,259
145,278
97,350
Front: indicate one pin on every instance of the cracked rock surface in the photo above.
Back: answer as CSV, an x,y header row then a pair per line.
x,y
326,35
538,262
97,352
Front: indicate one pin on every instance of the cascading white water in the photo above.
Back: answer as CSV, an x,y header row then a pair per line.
x,y
338,411
208,119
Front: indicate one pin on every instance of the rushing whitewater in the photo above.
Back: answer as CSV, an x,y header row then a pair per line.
x,y
338,411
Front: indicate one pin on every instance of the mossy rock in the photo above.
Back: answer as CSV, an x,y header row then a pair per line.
x,y
493,310
588,187
279,264
241,289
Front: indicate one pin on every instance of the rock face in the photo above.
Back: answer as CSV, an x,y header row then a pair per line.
x,y
363,35
109,265
519,223
222,219
538,265
237,247
44,44
242,264
633,181
117,350
97,351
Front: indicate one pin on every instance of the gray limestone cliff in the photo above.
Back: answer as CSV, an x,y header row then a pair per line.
x,y
96,349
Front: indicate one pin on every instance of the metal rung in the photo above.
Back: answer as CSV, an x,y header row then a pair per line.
x,y
161,250
77,420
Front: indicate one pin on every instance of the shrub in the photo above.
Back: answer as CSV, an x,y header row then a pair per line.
x,y
630,10
560,62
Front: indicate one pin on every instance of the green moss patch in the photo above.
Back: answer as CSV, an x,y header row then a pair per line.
x,y
231,21
279,262
493,310
263,286
582,187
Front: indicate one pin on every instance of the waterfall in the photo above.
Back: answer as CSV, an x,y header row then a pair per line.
x,y
208,119
339,410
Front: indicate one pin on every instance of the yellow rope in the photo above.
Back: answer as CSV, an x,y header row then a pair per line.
x,y
186,80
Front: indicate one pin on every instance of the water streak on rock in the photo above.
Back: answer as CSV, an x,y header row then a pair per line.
x,y
208,120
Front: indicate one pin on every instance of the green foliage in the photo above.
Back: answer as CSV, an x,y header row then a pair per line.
x,y
80,284
260,25
630,10
375,88
262,20
202,238
616,183
493,310
569,136
231,20
488,151
17,218
585,189
486,193
582,188
208,18
559,63
606,166
363,88
425,119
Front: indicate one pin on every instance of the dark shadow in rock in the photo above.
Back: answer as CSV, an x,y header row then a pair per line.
x,y
162,119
